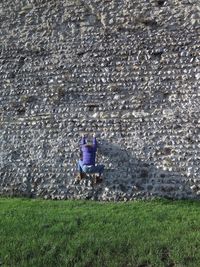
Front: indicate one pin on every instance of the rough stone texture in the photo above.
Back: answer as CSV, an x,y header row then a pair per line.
x,y
125,69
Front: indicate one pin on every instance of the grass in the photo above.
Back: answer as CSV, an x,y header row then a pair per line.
x,y
88,234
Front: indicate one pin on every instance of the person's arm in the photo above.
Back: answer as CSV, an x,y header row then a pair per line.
x,y
94,142
83,141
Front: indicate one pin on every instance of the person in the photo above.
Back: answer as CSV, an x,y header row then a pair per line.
x,y
87,161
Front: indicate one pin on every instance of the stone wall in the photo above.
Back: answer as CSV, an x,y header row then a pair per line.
x,y
125,69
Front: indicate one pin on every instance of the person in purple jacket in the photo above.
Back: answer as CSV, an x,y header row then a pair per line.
x,y
86,163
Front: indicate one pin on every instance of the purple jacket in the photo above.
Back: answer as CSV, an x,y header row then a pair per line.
x,y
89,153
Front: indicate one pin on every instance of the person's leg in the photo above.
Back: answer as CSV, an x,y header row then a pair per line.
x,y
80,165
85,169
80,169
100,169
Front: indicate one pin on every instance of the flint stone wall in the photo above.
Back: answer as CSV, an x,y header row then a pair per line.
x,y
125,69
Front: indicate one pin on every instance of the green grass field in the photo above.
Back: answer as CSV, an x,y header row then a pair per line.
x,y
83,233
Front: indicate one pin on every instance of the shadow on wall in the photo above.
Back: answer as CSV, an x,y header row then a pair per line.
x,y
124,173
127,173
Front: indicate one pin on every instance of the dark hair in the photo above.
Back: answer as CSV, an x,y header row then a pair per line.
x,y
88,145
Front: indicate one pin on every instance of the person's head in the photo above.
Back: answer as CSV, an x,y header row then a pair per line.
x,y
89,147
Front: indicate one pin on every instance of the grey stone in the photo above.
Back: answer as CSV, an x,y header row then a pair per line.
x,y
128,71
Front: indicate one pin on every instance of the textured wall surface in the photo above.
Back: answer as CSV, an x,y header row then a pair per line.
x,y
125,69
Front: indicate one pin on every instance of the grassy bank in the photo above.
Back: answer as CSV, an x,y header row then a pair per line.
x,y
86,234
